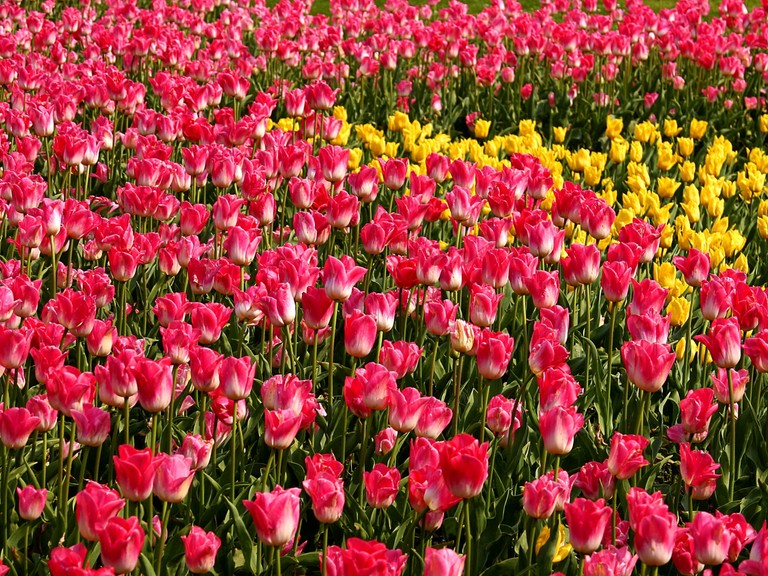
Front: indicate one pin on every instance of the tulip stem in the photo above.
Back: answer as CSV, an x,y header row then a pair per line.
x,y
234,450
264,479
609,383
432,367
325,549
45,458
161,543
363,445
127,420
456,393
468,544
732,416
5,501
588,349
330,354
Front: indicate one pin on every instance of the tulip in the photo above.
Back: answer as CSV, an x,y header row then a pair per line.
x,y
31,502
400,357
540,497
694,267
655,538
443,562
715,298
758,555
697,409
544,288
200,548
494,351
595,481
683,556
16,425
92,425
723,342
697,469
434,418
383,308
647,363
558,426
339,276
611,560
756,347
382,485
587,521
464,463
711,538
483,304
275,515
384,441
327,495
173,478
135,472
615,280
739,380
626,455
121,541
405,408
280,428
500,418
93,507
236,377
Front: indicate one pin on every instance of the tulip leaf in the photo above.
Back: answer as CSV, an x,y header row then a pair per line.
x,y
146,566
244,538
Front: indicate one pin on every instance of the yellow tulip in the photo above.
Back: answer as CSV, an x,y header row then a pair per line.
x,y
482,127
671,129
618,151
764,123
355,157
562,551
680,350
636,151
762,226
340,113
741,264
678,310
698,129
685,146
559,133
687,171
666,187
613,127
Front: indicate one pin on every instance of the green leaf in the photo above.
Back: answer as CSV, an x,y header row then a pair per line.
x,y
244,538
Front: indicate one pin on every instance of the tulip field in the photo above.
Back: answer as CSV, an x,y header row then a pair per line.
x,y
400,289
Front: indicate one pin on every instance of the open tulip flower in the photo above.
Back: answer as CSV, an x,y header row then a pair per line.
x,y
423,288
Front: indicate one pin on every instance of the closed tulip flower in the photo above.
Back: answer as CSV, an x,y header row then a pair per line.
x,y
135,472
200,548
540,497
16,425
558,426
464,462
173,478
382,485
327,494
93,507
655,538
711,538
648,364
723,342
275,515
756,347
494,351
359,334
236,377
626,455
587,521
121,541
697,469
31,502
443,562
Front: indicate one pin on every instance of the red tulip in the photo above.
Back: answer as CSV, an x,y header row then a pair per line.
x,y
697,409
558,426
626,455
31,502
400,357
434,418
92,425
204,366
715,298
14,347
121,541
339,276
587,520
595,481
443,562
327,494
135,472
647,364
557,387
540,497
385,440
280,428
500,418
200,548
711,538
464,463
173,478
483,304
93,507
756,347
236,377
16,425
275,515
723,342
209,319
694,267
369,389
697,469
615,280
649,326
739,380
545,350
405,408
154,380
494,351
582,266
544,288
655,538
382,485
641,504
683,556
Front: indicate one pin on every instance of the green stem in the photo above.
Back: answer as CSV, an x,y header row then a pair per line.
x,y
127,420
468,544
732,415
234,451
330,354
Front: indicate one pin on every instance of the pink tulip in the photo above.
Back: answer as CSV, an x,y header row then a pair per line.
x,y
121,541
200,548
275,515
626,455
558,426
587,520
